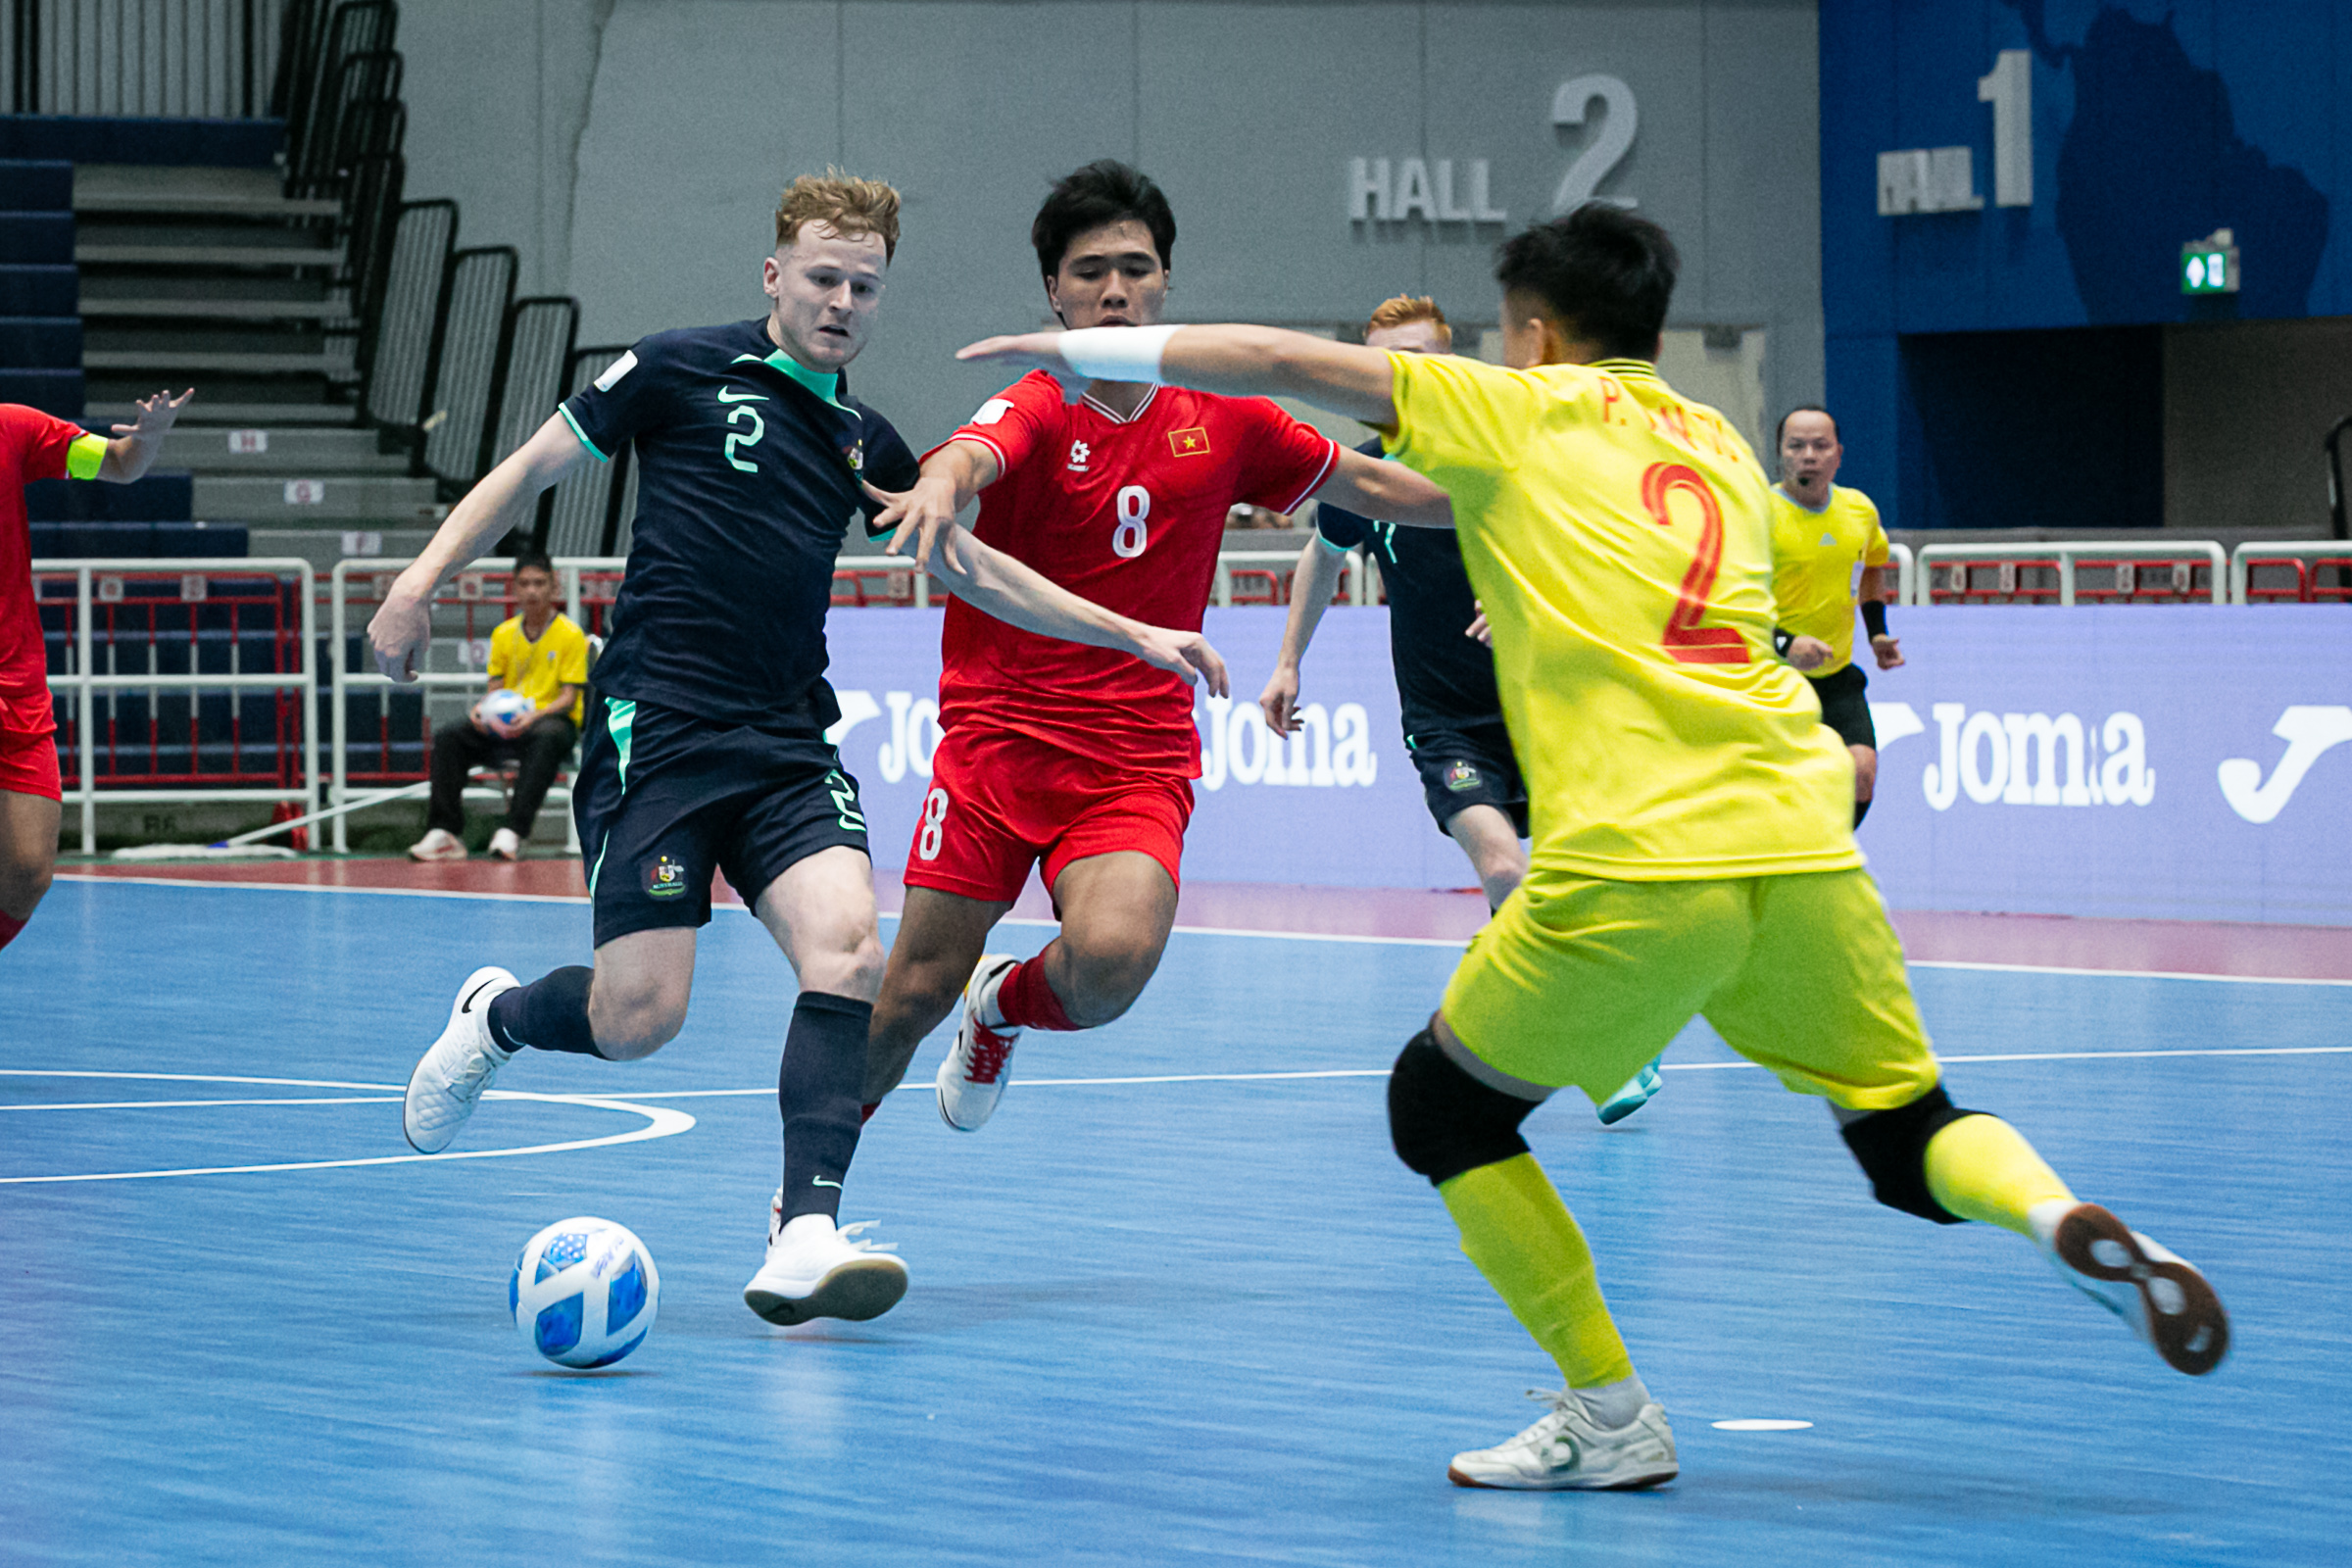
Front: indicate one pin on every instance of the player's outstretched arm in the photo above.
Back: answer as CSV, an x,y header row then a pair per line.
x,y
1389,491
134,446
404,624
1311,586
951,477
992,581
1237,360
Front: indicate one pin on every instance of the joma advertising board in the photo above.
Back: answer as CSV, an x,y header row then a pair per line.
x,y
2155,761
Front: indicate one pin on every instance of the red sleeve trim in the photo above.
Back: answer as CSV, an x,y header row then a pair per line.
x,y
1331,456
1004,463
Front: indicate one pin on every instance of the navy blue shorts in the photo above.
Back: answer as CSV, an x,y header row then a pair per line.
x,y
1470,766
664,799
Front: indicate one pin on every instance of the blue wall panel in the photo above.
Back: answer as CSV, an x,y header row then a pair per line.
x,y
2153,125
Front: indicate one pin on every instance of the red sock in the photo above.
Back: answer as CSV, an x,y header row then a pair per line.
x,y
10,925
1026,1002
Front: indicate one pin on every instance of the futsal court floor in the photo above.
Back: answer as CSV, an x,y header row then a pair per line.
x,y
1178,1303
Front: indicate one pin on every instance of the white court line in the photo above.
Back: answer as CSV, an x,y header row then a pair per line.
x,y
1670,1066
205,1104
1197,930
661,1122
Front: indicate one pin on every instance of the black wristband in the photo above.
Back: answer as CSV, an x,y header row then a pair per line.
x,y
1874,616
1780,639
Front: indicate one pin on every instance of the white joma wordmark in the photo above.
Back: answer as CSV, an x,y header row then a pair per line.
x,y
2310,733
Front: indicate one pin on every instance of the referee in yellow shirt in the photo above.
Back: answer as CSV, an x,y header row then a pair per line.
x,y
542,655
1693,853
1829,553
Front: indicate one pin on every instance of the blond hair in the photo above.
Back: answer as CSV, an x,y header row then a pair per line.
x,y
1406,308
847,205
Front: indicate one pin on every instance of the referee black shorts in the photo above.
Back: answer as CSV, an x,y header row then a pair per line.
x,y
1471,765
1844,708
665,797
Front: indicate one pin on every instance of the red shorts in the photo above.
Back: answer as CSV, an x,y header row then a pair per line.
x,y
28,762
1001,802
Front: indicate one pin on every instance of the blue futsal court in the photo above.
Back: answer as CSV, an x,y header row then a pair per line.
x,y
1177,1304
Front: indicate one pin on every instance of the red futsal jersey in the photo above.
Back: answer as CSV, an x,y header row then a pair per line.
x,y
32,446
1128,514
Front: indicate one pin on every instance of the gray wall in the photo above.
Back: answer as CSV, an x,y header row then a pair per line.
x,y
637,161
2246,407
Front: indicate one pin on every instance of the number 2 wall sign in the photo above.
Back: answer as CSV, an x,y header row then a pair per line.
x,y
1401,190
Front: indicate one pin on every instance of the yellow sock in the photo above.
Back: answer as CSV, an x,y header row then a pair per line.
x,y
1525,1241
1980,1169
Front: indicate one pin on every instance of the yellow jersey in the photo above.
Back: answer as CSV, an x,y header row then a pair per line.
x,y
1620,539
538,670
1817,562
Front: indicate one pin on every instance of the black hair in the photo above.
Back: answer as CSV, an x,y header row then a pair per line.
x,y
1607,274
1104,191
531,556
1781,429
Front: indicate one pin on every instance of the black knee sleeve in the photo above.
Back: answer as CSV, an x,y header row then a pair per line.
x,y
1891,1147
1444,1121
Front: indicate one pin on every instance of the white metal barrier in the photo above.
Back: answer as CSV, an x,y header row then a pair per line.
x,y
2065,556
99,582
467,587
2298,552
1275,562
1906,571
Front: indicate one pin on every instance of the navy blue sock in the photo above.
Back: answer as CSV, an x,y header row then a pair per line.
x,y
819,1088
551,1013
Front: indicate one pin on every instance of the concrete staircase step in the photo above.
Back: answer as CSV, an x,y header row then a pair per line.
x,y
218,310
242,412
211,207
175,363
280,453
92,251
282,501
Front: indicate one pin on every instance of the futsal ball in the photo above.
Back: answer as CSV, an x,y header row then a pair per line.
x,y
507,705
584,1293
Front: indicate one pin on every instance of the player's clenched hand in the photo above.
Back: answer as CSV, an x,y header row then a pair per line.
x,y
398,634
1279,702
1809,652
1186,654
921,515
1888,649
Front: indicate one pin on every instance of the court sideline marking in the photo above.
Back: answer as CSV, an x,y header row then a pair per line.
x,y
1187,930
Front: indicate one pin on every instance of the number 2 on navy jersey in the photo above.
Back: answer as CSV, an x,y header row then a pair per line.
x,y
1134,531
736,414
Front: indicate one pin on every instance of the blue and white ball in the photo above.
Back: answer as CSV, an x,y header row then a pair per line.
x,y
507,705
584,1293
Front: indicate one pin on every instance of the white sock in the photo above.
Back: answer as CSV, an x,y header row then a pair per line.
x,y
1614,1404
2044,1217
989,1016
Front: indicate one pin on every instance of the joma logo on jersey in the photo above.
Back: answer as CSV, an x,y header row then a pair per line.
x,y
665,878
1079,453
1192,443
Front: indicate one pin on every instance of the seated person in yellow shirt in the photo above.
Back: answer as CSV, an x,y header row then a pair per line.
x,y
1693,854
538,655
1829,552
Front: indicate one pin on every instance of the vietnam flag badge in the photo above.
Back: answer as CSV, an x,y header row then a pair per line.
x,y
1192,443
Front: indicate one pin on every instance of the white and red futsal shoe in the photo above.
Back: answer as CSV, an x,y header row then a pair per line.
x,y
974,1077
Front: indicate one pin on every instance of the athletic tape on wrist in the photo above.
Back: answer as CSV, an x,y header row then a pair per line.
x,y
1116,353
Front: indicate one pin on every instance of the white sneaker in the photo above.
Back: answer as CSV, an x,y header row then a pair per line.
x,y
813,1270
974,1077
505,846
452,1075
1566,1453
438,844
2163,1297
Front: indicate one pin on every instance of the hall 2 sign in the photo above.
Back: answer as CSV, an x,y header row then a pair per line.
x,y
1384,190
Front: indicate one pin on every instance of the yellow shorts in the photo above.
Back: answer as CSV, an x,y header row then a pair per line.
x,y
1581,981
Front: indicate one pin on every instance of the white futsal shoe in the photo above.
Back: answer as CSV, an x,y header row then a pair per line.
x,y
813,1270
452,1075
974,1077
438,844
1566,1453
505,846
2162,1295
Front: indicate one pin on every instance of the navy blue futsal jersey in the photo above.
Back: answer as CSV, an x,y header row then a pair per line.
x,y
747,477
1444,680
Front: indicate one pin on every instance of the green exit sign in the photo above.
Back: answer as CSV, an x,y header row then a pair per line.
x,y
2210,265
